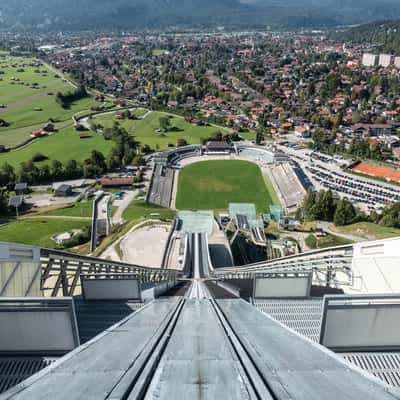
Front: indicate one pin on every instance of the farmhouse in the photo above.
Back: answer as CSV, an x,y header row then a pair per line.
x,y
38,133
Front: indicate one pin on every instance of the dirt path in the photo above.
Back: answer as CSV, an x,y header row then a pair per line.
x,y
326,227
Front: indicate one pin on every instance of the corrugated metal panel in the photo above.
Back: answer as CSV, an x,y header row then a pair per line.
x,y
14,370
19,278
385,366
304,316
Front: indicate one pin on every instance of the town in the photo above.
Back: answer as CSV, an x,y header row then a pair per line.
x,y
202,188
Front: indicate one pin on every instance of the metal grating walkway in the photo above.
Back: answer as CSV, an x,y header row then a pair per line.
x,y
303,316
94,317
385,366
14,370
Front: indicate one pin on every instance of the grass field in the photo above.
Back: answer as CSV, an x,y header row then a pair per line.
x,y
138,210
62,146
326,241
21,99
274,197
145,130
212,185
367,230
38,231
54,146
80,209
37,227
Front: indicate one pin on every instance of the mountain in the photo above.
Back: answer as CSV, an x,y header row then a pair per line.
x,y
160,14
385,34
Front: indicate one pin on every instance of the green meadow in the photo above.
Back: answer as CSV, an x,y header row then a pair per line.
x,y
27,99
63,146
145,130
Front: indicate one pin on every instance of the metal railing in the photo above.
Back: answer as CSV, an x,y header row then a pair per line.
x,y
344,253
61,271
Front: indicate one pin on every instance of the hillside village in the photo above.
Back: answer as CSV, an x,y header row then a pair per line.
x,y
273,84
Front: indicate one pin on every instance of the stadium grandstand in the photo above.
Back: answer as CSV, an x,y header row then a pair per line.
x,y
173,156
288,184
161,185
266,155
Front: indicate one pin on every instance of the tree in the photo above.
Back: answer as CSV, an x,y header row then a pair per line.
x,y
7,175
345,213
333,82
328,206
145,149
164,123
391,216
216,136
113,162
38,157
181,143
28,172
139,160
57,170
88,171
45,173
3,123
3,202
259,138
73,169
98,163
309,203
300,215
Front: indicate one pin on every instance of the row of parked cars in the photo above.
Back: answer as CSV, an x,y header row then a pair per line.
x,y
374,195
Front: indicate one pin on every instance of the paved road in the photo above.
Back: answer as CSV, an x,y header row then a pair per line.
x,y
86,124
122,206
60,73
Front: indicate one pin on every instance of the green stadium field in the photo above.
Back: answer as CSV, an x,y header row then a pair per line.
x,y
212,185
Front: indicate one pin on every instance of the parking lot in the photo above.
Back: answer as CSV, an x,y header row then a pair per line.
x,y
324,172
48,199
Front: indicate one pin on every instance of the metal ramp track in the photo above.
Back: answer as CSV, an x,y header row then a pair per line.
x,y
201,349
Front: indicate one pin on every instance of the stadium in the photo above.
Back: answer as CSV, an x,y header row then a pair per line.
x,y
273,164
